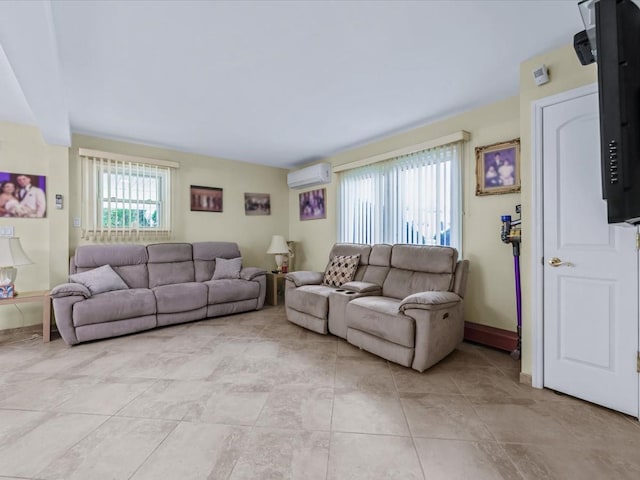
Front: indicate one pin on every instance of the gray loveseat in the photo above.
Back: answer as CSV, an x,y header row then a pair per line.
x,y
404,304
168,283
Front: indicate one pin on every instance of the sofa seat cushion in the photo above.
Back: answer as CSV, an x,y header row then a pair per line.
x,y
311,299
180,297
116,305
231,290
380,316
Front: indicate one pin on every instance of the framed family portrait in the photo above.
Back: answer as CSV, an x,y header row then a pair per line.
x,y
312,204
23,195
206,199
498,168
257,204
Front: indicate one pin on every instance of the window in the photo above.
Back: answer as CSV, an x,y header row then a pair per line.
x,y
413,198
125,198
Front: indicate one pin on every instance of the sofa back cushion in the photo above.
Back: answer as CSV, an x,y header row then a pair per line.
x,y
170,263
128,261
348,249
420,268
205,254
379,264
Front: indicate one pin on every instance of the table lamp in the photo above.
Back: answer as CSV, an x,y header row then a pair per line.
x,y
279,248
11,256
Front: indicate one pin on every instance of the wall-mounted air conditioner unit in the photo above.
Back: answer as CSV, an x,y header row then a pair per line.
x,y
310,176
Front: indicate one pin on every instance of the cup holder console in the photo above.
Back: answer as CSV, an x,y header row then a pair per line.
x,y
340,290
350,293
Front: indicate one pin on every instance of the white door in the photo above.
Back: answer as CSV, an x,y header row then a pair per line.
x,y
591,298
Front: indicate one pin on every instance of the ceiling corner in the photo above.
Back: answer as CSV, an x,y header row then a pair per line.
x,y
28,37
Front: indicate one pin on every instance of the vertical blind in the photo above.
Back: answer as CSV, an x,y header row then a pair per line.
x,y
125,200
413,198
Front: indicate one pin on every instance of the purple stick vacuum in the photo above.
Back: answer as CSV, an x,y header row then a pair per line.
x,y
512,235
516,265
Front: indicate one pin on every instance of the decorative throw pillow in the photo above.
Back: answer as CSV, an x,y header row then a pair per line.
x,y
341,269
100,280
227,268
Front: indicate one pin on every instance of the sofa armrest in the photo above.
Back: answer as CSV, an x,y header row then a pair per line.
x,y
430,301
70,290
305,278
63,310
250,273
460,283
362,287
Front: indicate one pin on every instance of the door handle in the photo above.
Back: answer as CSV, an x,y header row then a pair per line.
x,y
556,262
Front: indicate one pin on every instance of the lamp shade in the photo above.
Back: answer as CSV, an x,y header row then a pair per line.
x,y
11,253
278,245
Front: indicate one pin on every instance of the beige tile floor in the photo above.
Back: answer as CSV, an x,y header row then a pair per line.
x,y
252,396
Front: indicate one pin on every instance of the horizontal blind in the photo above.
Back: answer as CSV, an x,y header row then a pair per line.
x,y
125,200
413,199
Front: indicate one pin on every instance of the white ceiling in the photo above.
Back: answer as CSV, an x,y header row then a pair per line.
x,y
13,105
272,82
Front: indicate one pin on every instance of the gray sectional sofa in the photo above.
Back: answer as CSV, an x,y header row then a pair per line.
x,y
404,304
165,284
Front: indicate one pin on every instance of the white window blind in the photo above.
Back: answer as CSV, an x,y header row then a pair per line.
x,y
125,199
413,198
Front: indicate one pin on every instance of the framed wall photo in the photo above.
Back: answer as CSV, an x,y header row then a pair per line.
x,y
312,204
206,199
257,204
498,168
23,195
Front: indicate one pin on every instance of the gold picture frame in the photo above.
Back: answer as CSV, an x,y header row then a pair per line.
x,y
498,168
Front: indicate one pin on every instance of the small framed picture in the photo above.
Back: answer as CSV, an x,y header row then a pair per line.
x,y
206,199
257,204
312,204
498,168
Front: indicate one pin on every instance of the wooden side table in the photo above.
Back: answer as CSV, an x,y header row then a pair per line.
x,y
275,282
39,296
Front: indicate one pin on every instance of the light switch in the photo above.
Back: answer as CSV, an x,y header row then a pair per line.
x,y
76,222
6,231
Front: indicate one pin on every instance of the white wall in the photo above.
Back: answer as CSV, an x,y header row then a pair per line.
x,y
44,240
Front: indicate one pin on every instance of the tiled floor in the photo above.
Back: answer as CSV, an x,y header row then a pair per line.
x,y
254,397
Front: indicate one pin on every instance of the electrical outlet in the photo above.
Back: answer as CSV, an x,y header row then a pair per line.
x,y
6,231
76,222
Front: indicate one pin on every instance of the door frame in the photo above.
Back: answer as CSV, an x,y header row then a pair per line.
x,y
537,214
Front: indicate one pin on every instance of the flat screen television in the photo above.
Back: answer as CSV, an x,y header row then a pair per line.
x,y
617,52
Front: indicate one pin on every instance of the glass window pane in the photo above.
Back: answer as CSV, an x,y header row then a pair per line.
x,y
132,197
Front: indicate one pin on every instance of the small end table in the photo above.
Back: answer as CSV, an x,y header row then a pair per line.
x,y
39,296
275,283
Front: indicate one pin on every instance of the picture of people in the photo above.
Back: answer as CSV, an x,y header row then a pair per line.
x,y
312,206
23,195
497,168
206,199
257,204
